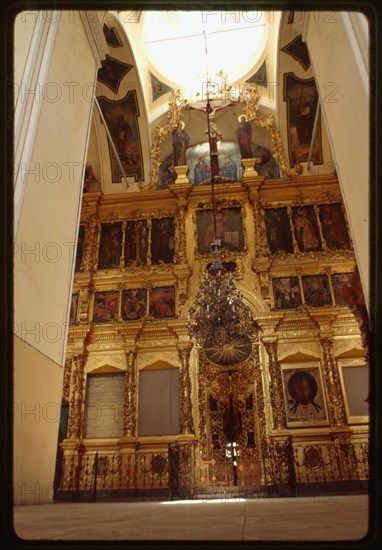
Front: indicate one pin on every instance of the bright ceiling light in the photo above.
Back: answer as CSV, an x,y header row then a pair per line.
x,y
183,46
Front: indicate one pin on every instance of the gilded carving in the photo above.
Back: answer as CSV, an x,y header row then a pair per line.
x,y
77,397
130,408
336,406
186,420
277,399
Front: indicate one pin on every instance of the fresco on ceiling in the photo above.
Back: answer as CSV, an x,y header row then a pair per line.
x,y
298,50
158,88
122,121
229,158
111,36
112,72
302,99
260,76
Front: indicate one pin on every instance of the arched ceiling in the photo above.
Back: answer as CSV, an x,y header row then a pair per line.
x,y
177,49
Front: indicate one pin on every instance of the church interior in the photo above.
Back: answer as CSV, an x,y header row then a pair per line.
x,y
191,258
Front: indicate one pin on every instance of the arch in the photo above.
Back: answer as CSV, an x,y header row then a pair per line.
x,y
160,365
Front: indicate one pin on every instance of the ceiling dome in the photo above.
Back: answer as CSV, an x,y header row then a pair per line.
x,y
183,46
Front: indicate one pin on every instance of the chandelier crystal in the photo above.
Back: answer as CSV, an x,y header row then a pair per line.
x,y
218,316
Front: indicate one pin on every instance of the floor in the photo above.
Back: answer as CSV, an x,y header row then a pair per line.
x,y
320,518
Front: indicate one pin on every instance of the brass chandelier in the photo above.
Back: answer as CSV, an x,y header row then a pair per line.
x,y
218,316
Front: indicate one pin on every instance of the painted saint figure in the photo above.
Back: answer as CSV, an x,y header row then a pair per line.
x,y
180,140
303,389
306,230
202,172
243,135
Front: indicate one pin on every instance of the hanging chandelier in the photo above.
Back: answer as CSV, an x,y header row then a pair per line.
x,y
218,317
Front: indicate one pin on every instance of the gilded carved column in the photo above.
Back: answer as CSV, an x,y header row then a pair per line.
x,y
336,407
276,395
186,421
130,408
77,397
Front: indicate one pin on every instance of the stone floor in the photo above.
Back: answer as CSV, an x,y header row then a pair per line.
x,y
334,518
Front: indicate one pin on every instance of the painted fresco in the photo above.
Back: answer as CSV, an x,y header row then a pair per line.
x,y
334,226
229,229
302,99
279,234
112,72
122,121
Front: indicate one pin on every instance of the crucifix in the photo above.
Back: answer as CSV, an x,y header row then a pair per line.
x,y
210,107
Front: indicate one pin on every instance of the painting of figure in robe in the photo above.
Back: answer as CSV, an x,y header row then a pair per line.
x,y
306,228
110,246
162,240
136,242
229,229
302,100
334,226
279,234
122,120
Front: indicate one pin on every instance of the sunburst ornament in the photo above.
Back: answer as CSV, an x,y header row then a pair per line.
x,y
230,353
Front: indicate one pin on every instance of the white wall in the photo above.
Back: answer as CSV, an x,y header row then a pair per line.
x,y
45,233
337,57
